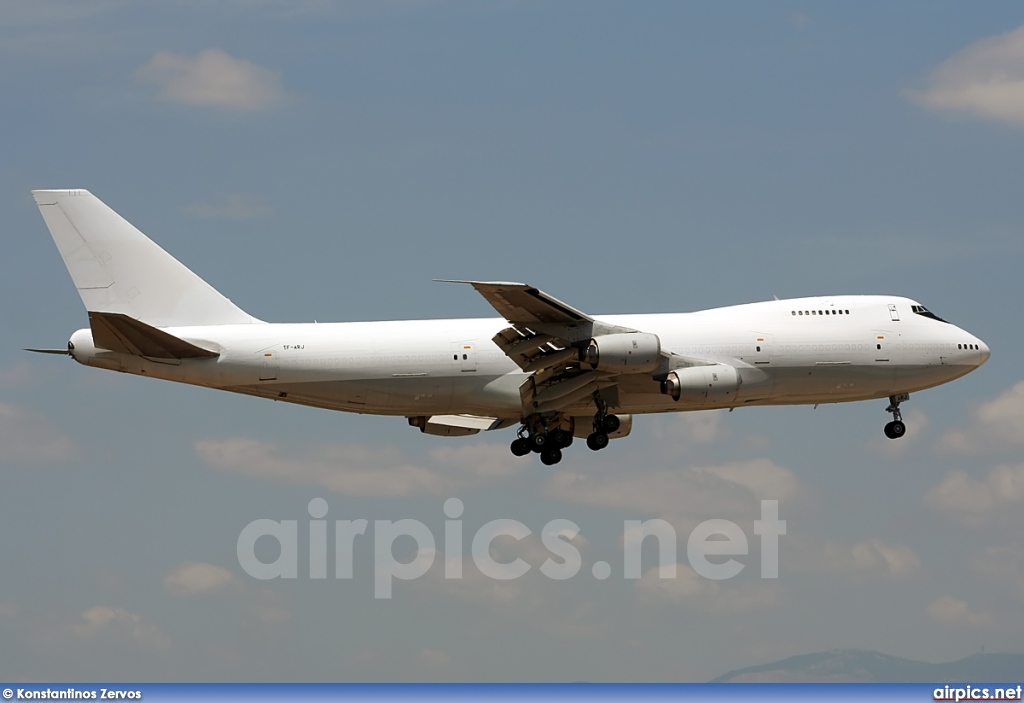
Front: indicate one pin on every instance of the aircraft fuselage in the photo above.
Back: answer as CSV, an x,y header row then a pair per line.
x,y
800,351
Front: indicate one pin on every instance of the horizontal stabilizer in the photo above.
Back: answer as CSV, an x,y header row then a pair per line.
x,y
65,352
125,335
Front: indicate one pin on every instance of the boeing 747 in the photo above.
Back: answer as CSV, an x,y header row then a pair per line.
x,y
544,367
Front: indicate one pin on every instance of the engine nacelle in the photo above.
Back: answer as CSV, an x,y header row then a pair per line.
x,y
703,384
631,352
583,426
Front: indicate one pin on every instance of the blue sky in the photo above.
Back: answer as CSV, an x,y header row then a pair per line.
x,y
326,160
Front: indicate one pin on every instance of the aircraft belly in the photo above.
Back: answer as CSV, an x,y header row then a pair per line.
x,y
919,377
487,395
363,396
421,394
831,383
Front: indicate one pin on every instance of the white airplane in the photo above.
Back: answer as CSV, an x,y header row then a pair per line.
x,y
546,367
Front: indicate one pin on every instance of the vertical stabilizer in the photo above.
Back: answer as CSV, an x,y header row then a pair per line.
x,y
118,269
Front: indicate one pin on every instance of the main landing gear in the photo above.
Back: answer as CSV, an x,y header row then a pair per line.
x,y
548,443
538,435
896,428
604,425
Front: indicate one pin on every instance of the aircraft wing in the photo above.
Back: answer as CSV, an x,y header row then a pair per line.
x,y
548,338
518,302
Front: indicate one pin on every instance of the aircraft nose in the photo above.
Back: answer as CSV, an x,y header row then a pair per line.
x,y
985,353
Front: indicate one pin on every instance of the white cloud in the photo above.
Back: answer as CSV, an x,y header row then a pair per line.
x,y
984,80
195,578
361,471
800,20
1003,565
995,425
899,562
271,613
17,375
102,619
513,596
212,79
237,207
976,501
584,621
687,587
431,659
870,558
952,611
917,425
28,438
266,607
686,428
711,491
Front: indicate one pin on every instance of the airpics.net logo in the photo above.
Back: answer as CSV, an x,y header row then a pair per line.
x,y
712,547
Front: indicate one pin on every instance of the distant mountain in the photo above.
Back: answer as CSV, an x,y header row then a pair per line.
x,y
859,665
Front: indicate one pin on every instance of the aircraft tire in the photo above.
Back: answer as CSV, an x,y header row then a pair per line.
x,y
538,442
597,441
520,447
551,456
560,438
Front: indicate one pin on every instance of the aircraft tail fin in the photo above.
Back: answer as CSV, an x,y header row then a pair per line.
x,y
119,270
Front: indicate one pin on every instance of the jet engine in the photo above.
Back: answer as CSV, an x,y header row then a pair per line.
x,y
703,384
631,352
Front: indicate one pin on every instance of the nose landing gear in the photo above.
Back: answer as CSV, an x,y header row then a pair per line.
x,y
896,428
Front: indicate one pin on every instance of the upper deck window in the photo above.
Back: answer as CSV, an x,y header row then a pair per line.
x,y
925,312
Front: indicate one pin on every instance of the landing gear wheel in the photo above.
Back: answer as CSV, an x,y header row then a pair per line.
x,y
551,456
560,438
611,423
521,446
895,429
538,442
597,441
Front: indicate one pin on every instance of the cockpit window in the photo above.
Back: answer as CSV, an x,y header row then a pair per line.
x,y
922,310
